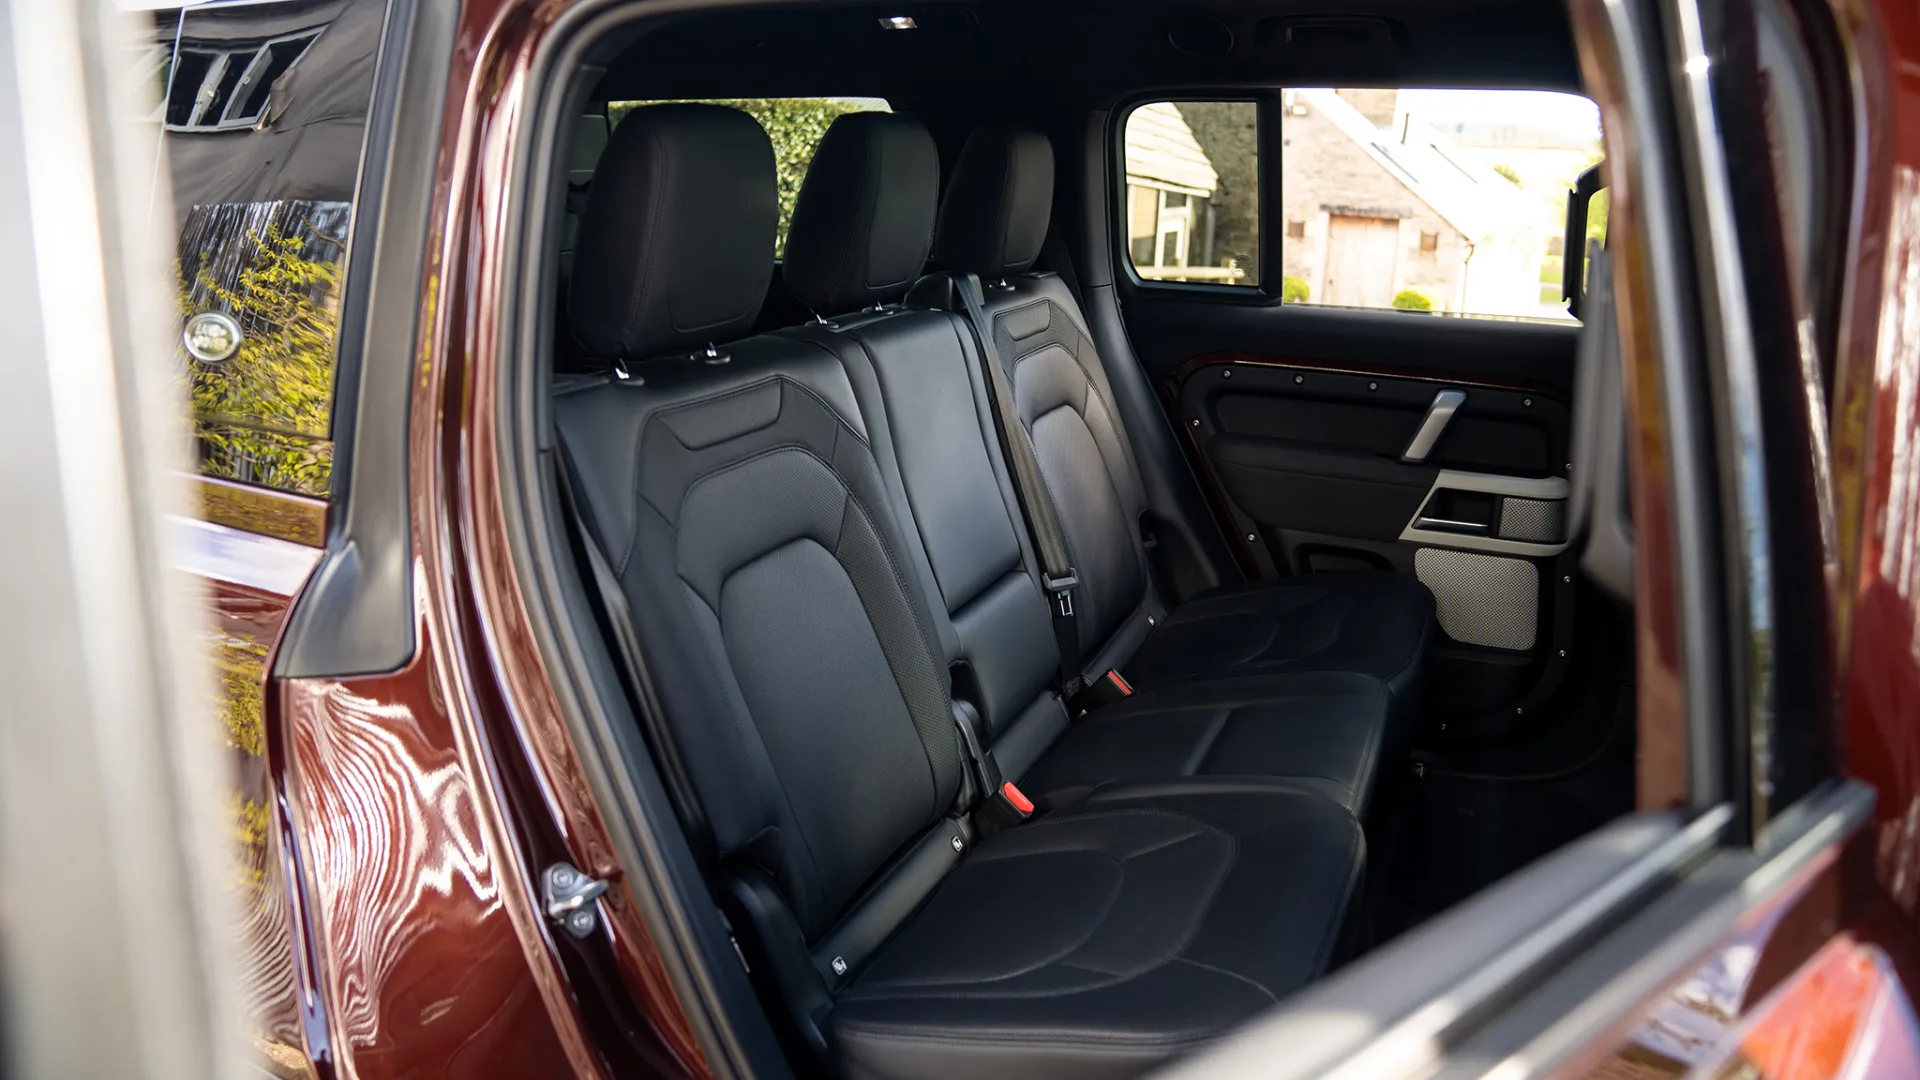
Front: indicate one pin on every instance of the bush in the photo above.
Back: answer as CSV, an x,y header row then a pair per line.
x,y
796,126
1412,300
1293,290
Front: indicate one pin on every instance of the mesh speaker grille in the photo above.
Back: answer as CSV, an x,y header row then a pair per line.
x,y
1483,599
1543,521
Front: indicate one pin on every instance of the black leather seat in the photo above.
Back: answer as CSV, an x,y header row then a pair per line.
x,y
733,488
861,231
992,223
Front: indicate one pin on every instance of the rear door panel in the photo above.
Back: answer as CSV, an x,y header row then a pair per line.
x,y
1297,420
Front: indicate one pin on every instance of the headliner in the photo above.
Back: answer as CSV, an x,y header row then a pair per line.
x,y
1091,53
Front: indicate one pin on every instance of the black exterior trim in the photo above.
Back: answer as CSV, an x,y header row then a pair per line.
x,y
356,615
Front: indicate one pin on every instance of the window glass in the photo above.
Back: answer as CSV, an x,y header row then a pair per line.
x,y
1193,203
263,109
1442,201
796,126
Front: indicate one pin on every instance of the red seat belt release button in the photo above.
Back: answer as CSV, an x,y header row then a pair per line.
x,y
1016,799
1104,690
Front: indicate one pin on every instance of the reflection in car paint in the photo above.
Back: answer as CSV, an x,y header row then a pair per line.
x,y
244,621
262,415
277,514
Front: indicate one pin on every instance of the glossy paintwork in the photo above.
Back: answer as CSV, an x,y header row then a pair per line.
x,y
1808,987
248,583
424,804
641,1023
418,963
1877,441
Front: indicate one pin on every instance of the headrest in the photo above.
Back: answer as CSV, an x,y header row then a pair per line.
x,y
994,217
676,242
864,220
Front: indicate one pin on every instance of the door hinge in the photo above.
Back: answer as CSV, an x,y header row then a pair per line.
x,y
570,894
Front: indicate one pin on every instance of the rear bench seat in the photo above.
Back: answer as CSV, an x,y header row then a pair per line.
x,y
992,224
860,234
737,492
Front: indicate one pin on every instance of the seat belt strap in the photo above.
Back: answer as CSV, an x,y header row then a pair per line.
x,y
1056,567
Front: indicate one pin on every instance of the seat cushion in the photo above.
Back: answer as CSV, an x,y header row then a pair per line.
x,y
1323,730
1102,940
1372,623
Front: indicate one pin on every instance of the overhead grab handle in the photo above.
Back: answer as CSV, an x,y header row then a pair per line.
x,y
1439,415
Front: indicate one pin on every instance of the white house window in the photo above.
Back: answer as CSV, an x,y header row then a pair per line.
x,y
222,86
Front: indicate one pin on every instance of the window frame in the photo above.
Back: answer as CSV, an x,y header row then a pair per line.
x,y
1119,222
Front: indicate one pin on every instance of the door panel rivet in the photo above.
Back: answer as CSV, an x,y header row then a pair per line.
x,y
1563,654
1196,421
1526,403
1567,579
1227,374
1298,379
1373,386
1251,538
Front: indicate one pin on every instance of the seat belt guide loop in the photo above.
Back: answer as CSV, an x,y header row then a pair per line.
x,y
1062,589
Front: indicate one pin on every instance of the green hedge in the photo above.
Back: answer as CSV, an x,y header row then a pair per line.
x,y
796,126
1412,300
1294,290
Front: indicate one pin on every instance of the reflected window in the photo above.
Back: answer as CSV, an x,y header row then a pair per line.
x,y
225,87
263,107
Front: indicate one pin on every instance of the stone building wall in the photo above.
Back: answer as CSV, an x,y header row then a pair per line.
x,y
1323,173
1229,133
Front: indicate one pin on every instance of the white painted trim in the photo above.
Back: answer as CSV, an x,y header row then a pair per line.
x,y
259,562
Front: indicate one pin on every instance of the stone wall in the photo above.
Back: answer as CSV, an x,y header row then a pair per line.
x,y
1229,132
1323,173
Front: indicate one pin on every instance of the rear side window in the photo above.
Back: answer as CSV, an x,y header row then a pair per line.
x,y
1193,191
263,109
1443,201
796,126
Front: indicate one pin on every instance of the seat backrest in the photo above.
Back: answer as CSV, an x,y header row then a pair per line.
x,y
993,222
733,490
862,228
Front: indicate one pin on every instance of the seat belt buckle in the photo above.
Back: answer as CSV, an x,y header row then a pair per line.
x,y
1104,690
1062,589
1008,807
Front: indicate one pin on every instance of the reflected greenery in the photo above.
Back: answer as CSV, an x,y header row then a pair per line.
x,y
262,416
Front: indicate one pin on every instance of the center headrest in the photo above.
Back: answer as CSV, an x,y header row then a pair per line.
x,y
676,242
864,220
999,198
